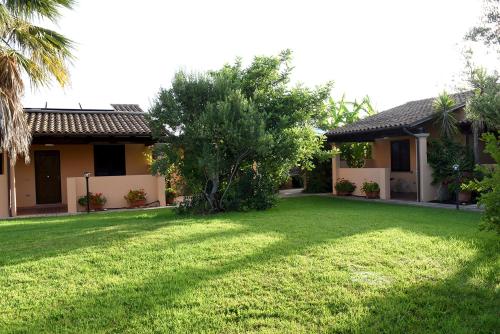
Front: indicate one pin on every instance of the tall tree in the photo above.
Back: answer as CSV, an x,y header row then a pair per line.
x,y
233,134
483,108
488,30
40,53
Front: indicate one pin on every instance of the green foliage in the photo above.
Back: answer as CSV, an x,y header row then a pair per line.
x,y
443,154
135,195
489,186
446,121
342,112
218,127
370,187
483,108
344,186
319,179
170,193
95,199
355,153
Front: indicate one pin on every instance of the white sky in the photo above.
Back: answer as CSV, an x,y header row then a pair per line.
x,y
394,51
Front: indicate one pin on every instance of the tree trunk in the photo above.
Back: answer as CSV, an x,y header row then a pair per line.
x,y
475,132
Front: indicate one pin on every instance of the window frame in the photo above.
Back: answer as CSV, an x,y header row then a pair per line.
x,y
399,164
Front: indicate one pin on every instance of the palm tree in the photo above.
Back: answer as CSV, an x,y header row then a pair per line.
x,y
483,108
444,118
41,54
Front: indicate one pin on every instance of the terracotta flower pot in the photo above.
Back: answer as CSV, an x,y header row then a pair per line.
x,y
344,193
464,196
138,203
97,207
372,194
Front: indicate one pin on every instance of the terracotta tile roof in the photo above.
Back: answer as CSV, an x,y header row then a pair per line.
x,y
407,115
122,120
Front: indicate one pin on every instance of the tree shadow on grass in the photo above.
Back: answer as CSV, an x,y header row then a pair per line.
x,y
31,240
120,307
458,304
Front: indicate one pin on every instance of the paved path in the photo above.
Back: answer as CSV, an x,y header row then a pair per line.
x,y
298,193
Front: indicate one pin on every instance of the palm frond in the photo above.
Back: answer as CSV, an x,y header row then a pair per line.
x,y
447,122
30,9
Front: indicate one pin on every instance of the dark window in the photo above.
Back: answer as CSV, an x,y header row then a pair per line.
x,y
109,160
400,156
1,163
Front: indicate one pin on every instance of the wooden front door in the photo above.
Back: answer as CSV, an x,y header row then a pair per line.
x,y
48,177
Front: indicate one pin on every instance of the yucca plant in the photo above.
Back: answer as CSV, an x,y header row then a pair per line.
x,y
446,121
40,53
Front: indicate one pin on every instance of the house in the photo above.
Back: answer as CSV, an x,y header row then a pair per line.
x,y
111,144
399,138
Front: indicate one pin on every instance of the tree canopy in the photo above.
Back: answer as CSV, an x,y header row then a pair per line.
x,y
233,134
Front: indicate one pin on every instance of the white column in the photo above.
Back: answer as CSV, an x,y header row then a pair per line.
x,y
335,168
427,190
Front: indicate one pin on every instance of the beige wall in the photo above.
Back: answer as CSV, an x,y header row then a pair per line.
x,y
4,200
114,188
360,175
75,160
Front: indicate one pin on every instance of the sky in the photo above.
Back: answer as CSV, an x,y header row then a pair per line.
x,y
392,51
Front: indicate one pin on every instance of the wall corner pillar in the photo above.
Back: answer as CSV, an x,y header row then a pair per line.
x,y
425,187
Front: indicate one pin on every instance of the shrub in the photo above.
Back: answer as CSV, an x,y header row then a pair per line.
x,y
319,180
170,194
344,186
443,154
370,187
489,186
135,195
95,199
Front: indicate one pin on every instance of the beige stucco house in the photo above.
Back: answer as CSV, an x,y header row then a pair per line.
x,y
399,138
111,144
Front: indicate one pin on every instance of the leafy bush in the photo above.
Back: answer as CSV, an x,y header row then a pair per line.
x,y
344,186
443,154
319,179
370,187
489,186
135,195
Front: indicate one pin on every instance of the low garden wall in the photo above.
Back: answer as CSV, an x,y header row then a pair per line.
x,y
114,188
359,175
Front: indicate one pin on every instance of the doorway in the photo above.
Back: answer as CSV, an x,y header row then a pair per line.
x,y
48,177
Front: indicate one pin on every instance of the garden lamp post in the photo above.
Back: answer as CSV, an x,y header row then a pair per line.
x,y
87,175
456,170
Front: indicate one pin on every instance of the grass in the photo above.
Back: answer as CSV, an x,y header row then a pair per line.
x,y
313,264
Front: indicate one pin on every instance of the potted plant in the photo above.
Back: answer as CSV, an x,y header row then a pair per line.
x,y
371,189
344,187
170,195
136,198
97,201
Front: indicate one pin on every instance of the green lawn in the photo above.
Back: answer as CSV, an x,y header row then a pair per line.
x,y
313,264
